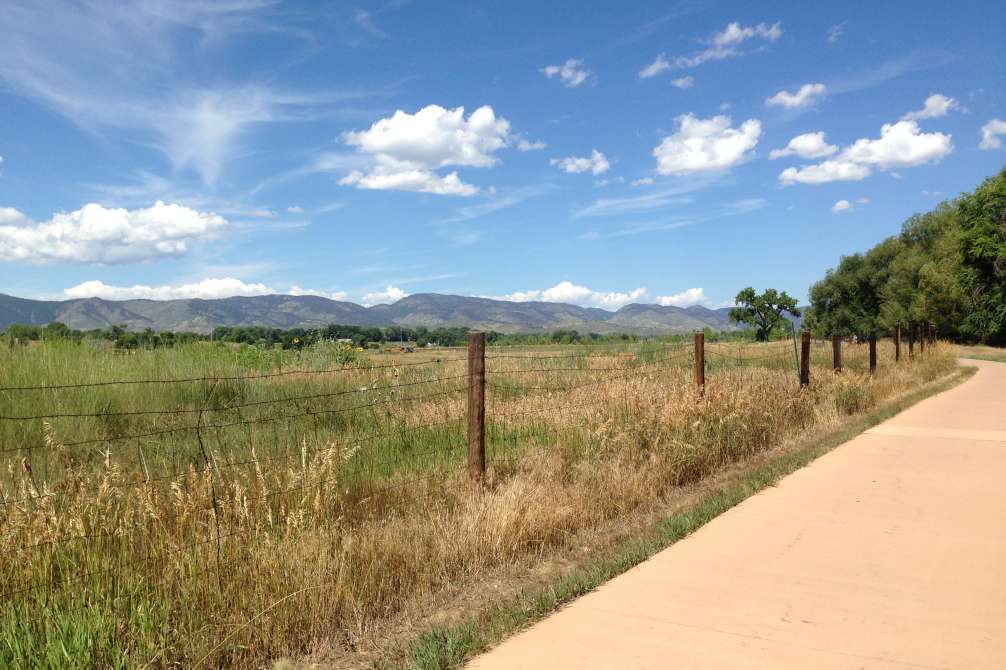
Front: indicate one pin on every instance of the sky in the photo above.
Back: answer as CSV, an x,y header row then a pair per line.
x,y
587,152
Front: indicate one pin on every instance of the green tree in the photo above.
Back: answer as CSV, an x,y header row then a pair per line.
x,y
764,312
982,274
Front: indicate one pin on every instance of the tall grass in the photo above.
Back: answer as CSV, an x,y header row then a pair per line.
x,y
313,519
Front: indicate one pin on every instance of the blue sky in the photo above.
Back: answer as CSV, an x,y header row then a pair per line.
x,y
595,153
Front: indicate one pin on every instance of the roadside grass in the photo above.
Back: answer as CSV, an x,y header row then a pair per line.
x,y
449,647
322,518
982,352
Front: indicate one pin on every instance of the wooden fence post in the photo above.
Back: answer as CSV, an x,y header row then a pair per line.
x,y
476,405
805,358
873,354
897,344
911,341
836,352
700,360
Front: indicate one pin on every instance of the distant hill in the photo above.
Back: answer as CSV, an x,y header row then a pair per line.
x,y
425,309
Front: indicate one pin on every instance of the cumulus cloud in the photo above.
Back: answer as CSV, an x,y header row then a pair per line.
x,y
706,144
935,106
408,148
822,173
96,234
687,298
683,82
727,43
572,73
841,206
900,145
806,95
568,292
388,295
331,295
990,134
295,209
642,181
656,67
207,289
808,145
596,163
524,144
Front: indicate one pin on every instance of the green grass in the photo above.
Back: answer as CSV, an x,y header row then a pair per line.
x,y
448,648
982,352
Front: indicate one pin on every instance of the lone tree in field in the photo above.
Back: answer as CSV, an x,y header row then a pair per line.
x,y
763,312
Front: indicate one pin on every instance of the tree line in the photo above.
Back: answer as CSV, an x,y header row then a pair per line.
x,y
295,338
946,269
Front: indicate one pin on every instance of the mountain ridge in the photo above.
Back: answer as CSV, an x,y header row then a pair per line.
x,y
431,310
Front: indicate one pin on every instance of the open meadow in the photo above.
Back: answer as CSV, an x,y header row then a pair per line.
x,y
210,505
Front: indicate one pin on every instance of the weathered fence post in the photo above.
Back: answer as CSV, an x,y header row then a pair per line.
x,y
805,358
911,341
836,352
897,344
873,353
700,360
476,405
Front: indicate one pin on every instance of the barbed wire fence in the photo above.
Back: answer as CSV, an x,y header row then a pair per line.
x,y
423,432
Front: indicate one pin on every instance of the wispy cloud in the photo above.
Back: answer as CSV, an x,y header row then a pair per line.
x,y
128,67
497,202
888,70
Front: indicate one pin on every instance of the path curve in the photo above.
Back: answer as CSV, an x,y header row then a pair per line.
x,y
889,552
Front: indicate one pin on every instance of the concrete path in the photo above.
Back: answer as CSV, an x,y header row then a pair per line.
x,y
888,552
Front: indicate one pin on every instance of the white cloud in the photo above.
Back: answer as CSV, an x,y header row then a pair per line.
x,y
572,73
642,181
331,295
421,181
935,106
807,95
596,163
900,144
389,295
408,148
726,44
683,82
735,33
808,145
688,297
656,67
863,200
365,21
706,144
207,289
524,144
95,234
822,173
990,134
295,209
568,292
841,206
835,32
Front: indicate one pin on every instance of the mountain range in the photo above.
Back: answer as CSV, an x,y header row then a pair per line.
x,y
423,309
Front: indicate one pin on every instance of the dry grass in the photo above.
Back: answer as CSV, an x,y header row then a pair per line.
x,y
334,534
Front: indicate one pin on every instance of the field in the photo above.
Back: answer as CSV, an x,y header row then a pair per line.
x,y
228,506
982,352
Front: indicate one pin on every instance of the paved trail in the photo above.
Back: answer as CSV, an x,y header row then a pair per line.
x,y
888,552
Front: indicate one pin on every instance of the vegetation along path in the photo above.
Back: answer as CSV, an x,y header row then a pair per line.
x,y
887,552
